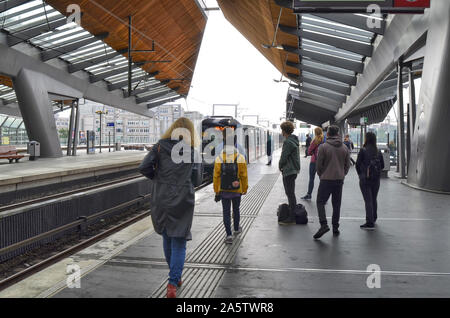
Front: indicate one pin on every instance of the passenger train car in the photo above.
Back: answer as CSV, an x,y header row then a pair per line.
x,y
251,139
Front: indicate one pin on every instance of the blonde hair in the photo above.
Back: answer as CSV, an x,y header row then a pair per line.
x,y
180,125
318,135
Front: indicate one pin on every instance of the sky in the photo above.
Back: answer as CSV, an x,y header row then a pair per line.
x,y
230,70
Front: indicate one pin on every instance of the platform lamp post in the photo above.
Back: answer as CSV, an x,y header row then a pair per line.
x,y
99,112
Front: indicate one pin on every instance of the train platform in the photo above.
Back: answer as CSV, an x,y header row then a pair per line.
x,y
45,171
408,250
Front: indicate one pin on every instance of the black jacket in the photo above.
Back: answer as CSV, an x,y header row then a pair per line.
x,y
308,142
173,197
363,161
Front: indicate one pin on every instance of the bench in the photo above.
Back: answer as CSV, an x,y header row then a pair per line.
x,y
10,153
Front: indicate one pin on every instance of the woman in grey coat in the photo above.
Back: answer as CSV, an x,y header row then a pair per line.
x,y
173,197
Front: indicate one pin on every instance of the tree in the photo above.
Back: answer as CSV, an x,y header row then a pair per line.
x,y
63,133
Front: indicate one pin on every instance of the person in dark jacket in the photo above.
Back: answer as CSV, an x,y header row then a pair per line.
x,y
312,151
350,147
370,157
269,148
173,197
289,165
308,143
333,163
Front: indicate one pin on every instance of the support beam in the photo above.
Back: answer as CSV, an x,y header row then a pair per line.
x,y
354,66
342,43
324,93
412,100
25,35
120,70
311,113
56,52
69,137
352,20
344,90
334,105
14,61
311,99
162,102
6,5
121,84
157,95
146,89
339,77
92,62
130,57
77,127
32,91
401,121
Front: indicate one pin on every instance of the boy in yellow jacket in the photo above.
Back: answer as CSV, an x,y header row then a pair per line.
x,y
230,183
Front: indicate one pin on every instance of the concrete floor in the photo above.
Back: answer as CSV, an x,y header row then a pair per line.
x,y
410,246
65,168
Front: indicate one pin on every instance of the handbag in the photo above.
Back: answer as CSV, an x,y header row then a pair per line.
x,y
149,165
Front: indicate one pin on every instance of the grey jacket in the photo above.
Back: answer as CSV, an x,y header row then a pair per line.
x,y
333,159
173,197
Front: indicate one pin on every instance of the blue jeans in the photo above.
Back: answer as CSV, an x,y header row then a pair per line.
x,y
226,205
175,253
312,175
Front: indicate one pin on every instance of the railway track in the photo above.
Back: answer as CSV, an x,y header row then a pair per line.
x,y
75,247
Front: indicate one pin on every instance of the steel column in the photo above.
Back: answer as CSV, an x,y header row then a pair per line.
x,y
69,137
412,100
429,168
401,120
130,59
77,126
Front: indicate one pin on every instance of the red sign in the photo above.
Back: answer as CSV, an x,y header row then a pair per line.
x,y
412,3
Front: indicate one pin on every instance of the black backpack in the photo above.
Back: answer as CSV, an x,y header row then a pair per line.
x,y
228,175
301,216
373,171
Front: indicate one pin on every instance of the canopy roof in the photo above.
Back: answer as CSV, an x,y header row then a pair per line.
x,y
170,33
321,53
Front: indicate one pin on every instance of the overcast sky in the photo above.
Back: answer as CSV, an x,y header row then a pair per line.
x,y
230,70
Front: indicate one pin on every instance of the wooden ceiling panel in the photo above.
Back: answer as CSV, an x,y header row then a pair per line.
x,y
257,20
176,26
5,80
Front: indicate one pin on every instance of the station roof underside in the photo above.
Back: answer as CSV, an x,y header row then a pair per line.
x,y
166,39
321,53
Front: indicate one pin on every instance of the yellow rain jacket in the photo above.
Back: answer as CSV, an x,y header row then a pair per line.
x,y
242,172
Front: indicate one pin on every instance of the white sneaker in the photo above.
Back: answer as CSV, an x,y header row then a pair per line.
x,y
229,240
239,231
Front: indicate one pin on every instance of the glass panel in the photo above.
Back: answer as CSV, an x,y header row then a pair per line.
x,y
16,123
2,119
8,122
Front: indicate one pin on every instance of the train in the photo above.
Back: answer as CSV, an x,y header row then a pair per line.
x,y
251,140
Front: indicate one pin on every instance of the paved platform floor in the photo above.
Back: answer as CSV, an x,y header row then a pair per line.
x,y
48,168
410,247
